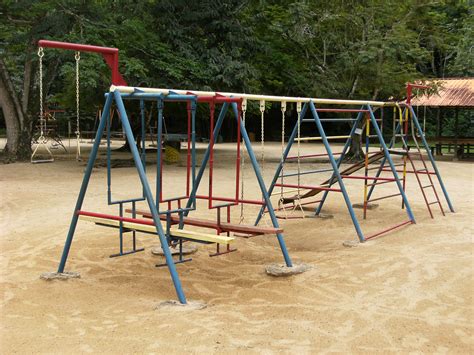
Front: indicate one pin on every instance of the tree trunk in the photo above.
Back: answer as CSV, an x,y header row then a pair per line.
x,y
18,146
355,152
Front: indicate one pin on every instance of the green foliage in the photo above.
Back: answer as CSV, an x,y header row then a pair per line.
x,y
339,49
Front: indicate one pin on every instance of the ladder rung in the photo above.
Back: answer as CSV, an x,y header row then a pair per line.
x,y
424,187
432,203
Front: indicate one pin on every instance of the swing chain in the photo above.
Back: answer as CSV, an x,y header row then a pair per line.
x,y
282,161
262,135
298,110
242,162
77,57
41,113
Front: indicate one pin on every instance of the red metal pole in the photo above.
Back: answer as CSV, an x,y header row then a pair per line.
x,y
211,155
237,162
110,55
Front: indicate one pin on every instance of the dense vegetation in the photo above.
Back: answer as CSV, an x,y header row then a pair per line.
x,y
338,49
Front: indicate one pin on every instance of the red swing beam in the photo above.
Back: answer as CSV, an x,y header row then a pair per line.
x,y
110,55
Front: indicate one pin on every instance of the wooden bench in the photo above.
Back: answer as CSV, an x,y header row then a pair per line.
x,y
463,144
140,226
222,226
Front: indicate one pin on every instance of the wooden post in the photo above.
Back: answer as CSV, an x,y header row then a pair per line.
x,y
456,133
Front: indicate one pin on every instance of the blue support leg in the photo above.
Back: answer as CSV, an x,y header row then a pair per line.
x,y
149,197
392,165
336,171
291,140
339,161
85,182
261,183
205,159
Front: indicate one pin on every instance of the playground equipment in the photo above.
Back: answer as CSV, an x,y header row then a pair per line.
x,y
110,56
170,214
405,127
365,119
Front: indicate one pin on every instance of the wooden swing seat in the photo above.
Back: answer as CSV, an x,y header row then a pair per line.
x,y
150,228
223,226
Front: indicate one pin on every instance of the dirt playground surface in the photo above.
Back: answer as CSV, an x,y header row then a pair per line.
x,y
409,291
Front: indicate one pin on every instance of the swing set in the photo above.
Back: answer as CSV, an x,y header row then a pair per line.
x,y
169,218
110,56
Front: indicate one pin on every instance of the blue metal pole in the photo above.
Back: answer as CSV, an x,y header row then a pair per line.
x,y
382,162
291,140
149,197
109,163
205,159
336,172
159,150
193,144
392,165
142,116
85,182
430,156
261,183
339,161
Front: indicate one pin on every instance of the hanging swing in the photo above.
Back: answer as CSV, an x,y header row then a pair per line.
x,y
43,139
289,212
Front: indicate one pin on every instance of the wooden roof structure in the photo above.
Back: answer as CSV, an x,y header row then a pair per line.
x,y
453,92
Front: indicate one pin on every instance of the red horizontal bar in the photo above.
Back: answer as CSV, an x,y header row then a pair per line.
x,y
389,229
228,199
384,197
310,156
147,222
306,187
340,110
216,98
367,177
77,47
412,172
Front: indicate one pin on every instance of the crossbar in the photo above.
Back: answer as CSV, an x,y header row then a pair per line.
x,y
251,97
320,138
306,187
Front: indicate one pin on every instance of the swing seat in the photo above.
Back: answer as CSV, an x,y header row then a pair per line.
x,y
223,226
140,226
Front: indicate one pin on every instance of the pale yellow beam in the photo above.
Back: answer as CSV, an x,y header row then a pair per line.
x,y
250,97
180,233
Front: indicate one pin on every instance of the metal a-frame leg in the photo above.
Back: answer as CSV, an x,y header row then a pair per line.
x,y
335,168
430,156
205,159
261,183
392,165
85,183
149,197
383,161
339,161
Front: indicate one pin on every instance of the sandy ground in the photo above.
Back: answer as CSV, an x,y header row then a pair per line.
x,y
409,291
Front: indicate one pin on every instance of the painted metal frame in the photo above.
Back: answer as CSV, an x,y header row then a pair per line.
x,y
335,164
